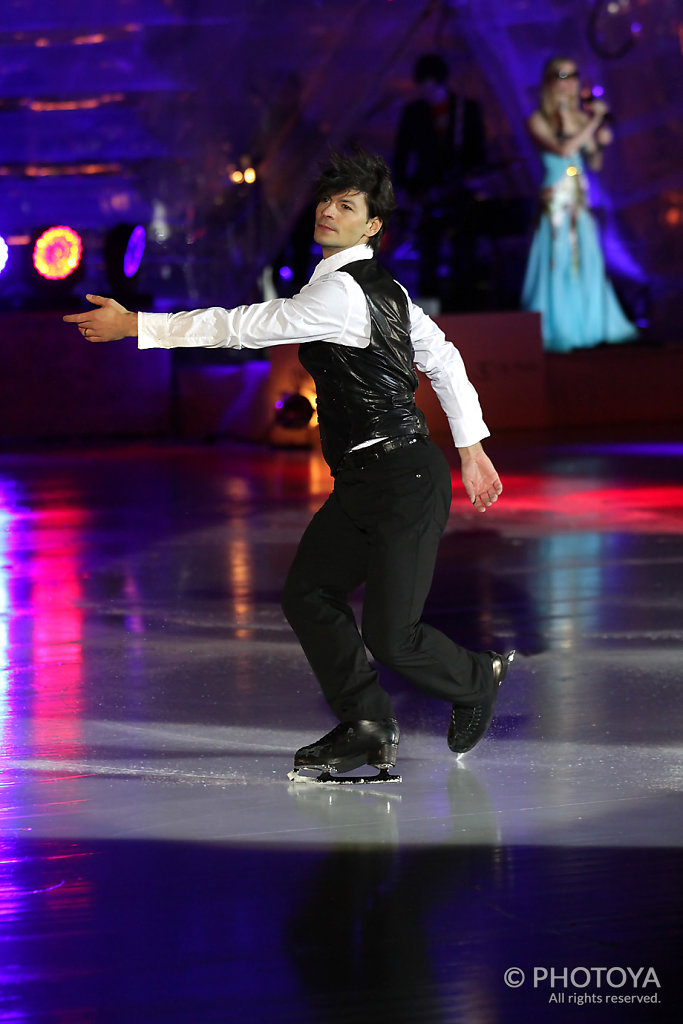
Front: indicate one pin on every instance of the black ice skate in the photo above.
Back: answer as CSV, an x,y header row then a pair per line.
x,y
468,725
348,746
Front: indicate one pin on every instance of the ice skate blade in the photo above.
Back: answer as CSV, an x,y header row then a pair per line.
x,y
329,779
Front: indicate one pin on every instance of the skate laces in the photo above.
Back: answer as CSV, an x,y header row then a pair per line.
x,y
464,719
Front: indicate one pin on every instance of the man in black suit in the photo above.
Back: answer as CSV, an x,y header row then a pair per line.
x,y
439,145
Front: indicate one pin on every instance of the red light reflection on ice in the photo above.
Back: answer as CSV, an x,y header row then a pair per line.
x,y
584,503
40,584
58,638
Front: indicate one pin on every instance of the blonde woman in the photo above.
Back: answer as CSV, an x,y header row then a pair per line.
x,y
565,277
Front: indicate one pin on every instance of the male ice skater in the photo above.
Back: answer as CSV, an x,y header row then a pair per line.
x,y
360,336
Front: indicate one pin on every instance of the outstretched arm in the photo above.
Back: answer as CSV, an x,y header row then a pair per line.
x,y
479,477
321,312
109,321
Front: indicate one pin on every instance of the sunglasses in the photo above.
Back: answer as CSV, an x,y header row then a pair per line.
x,y
562,75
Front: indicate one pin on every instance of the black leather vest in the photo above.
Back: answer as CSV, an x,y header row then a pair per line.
x,y
369,392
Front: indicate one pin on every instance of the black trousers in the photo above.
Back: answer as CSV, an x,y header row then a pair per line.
x,y
381,527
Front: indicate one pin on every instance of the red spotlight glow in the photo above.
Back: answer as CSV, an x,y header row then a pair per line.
x,y
578,504
57,253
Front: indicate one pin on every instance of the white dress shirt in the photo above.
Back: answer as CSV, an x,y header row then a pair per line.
x,y
331,307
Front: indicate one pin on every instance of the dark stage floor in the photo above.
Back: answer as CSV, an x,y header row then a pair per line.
x,y
159,867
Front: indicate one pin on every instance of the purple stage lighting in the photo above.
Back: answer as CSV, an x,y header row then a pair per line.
x,y
123,249
134,251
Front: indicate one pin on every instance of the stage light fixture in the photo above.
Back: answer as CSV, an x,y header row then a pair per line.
x,y
57,253
4,254
135,250
51,262
123,249
294,411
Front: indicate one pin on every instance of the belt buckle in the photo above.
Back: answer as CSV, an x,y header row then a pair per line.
x,y
393,444
362,457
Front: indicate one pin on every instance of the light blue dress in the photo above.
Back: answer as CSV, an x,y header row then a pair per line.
x,y
565,278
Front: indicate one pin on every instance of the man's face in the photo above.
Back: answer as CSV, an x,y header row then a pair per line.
x,y
432,91
342,220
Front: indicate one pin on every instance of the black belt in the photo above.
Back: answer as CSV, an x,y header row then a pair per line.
x,y
359,458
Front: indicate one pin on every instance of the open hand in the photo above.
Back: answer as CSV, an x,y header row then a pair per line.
x,y
480,479
110,322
